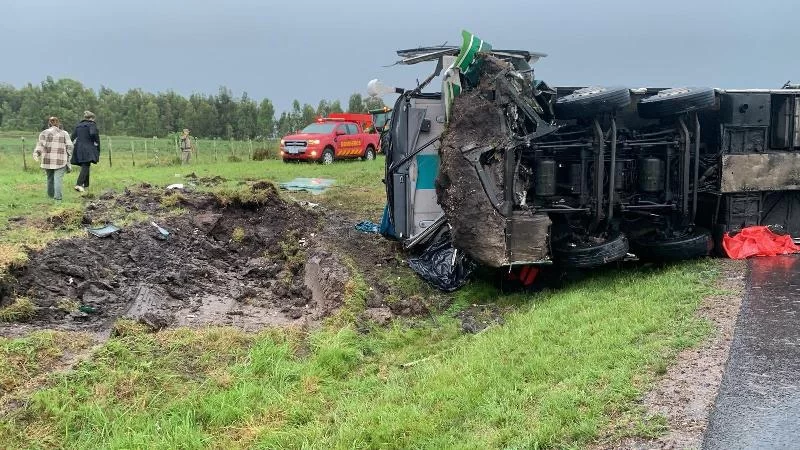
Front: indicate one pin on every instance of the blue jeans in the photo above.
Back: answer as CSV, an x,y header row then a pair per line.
x,y
55,180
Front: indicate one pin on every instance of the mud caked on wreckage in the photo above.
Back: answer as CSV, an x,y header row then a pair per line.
x,y
504,170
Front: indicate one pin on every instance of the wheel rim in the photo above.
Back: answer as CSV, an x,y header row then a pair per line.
x,y
327,158
370,155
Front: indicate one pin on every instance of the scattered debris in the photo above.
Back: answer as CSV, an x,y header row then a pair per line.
x,y
366,226
105,231
427,358
88,309
314,185
307,205
175,186
162,233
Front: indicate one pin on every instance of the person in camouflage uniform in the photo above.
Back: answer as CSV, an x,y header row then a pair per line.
x,y
186,146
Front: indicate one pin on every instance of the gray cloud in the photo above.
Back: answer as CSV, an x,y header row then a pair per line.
x,y
311,49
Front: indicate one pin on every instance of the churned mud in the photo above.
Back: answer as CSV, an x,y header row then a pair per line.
x,y
248,261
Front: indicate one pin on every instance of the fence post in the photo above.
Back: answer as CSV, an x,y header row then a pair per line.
x,y
155,150
110,150
133,155
230,145
215,149
196,146
250,142
177,148
24,162
145,149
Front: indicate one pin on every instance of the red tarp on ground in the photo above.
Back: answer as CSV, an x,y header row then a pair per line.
x,y
757,241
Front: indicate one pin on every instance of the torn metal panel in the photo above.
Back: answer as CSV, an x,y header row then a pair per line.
x,y
760,172
105,231
471,175
528,238
453,50
424,54
466,66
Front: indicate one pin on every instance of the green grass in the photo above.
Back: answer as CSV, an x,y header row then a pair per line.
x,y
26,362
21,310
566,366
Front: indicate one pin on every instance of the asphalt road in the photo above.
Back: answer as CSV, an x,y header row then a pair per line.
x,y
758,405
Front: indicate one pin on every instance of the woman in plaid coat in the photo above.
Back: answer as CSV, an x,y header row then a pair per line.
x,y
53,152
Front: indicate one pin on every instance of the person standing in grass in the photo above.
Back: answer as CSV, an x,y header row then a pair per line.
x,y
87,148
186,146
53,152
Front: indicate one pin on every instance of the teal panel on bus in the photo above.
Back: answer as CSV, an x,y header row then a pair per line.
x,y
427,169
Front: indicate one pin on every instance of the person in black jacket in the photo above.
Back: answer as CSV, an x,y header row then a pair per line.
x,y
87,148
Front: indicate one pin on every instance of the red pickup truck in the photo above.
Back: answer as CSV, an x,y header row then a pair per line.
x,y
329,139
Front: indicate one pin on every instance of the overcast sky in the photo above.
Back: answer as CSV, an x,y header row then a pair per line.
x,y
310,50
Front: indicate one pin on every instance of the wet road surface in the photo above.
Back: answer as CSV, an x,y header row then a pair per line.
x,y
758,405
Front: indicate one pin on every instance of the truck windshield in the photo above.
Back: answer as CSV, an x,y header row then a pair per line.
x,y
380,119
320,128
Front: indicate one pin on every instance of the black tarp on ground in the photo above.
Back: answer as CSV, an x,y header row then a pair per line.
x,y
442,265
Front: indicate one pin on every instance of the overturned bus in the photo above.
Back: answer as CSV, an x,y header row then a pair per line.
x,y
517,172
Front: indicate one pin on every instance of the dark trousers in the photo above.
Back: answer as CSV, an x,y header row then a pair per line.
x,y
83,177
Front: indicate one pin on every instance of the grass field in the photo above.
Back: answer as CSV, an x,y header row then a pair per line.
x,y
566,366
127,151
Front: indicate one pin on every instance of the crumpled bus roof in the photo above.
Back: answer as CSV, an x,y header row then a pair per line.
x,y
423,54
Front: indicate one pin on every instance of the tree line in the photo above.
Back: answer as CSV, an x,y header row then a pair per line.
x,y
139,113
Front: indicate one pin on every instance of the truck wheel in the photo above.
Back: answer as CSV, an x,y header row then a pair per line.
x,y
327,156
592,101
688,244
591,254
369,154
670,102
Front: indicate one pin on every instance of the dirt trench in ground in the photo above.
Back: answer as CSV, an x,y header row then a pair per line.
x,y
249,261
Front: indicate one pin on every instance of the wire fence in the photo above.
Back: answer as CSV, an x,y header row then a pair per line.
x,y
126,151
